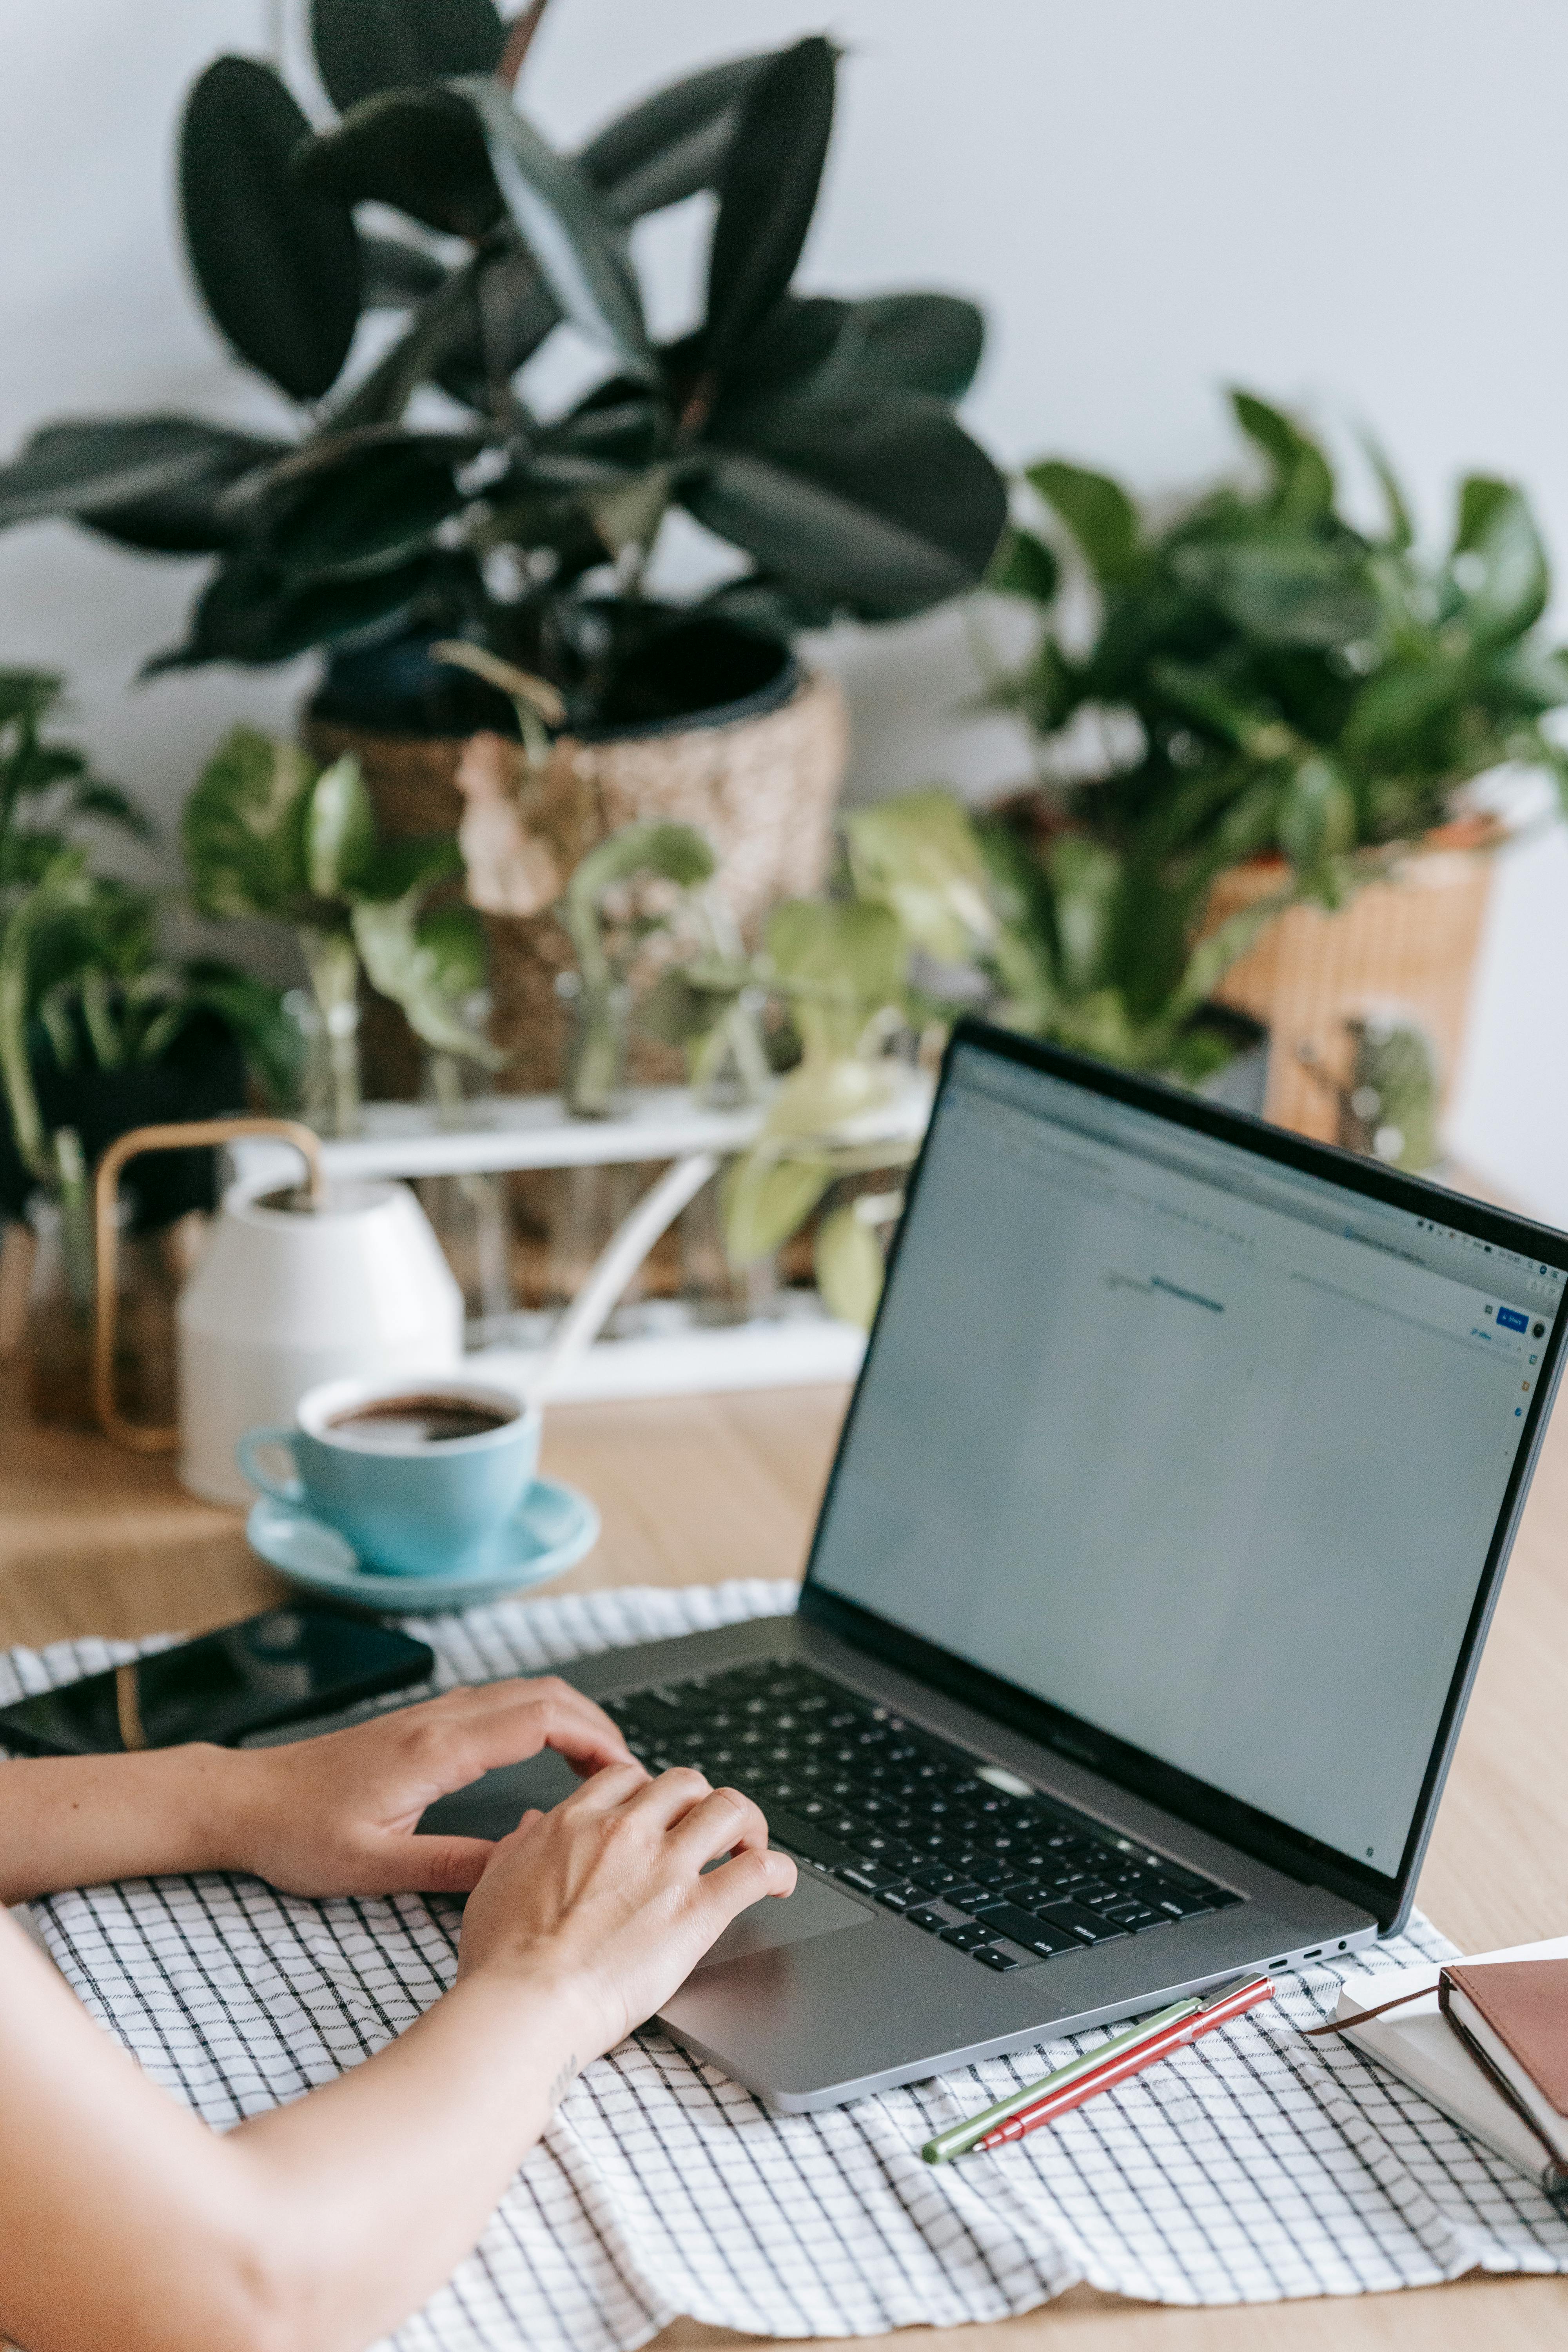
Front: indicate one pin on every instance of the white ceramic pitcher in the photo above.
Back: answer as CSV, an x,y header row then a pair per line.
x,y
291,1289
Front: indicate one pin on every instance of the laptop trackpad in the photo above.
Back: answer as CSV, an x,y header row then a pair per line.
x,y
813,1909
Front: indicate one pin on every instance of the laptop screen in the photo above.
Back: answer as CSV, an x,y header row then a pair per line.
x,y
1207,1452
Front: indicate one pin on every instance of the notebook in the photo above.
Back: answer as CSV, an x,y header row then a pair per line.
x,y
1418,2044
1513,2019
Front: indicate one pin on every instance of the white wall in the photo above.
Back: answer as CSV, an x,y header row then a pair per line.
x,y
1361,209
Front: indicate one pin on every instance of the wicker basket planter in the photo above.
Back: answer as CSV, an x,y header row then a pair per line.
x,y
762,787
1408,941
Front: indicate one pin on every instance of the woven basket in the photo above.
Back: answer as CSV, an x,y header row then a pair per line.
x,y
1407,944
762,789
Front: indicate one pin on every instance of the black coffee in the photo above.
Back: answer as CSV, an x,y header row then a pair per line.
x,y
398,1422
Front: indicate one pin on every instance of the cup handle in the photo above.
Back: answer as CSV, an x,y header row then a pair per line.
x,y
249,1445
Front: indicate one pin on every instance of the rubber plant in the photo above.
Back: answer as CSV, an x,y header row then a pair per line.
x,y
817,435
1265,676
266,833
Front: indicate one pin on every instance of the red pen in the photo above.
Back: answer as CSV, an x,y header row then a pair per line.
x,y
1229,2001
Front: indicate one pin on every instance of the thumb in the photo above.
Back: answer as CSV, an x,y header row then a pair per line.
x,y
435,1866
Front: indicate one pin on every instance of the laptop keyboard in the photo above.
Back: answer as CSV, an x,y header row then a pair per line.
x,y
910,1821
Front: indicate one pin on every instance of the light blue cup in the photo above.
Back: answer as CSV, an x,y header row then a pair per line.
x,y
408,1508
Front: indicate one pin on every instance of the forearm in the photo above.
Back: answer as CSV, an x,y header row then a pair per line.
x,y
381,2182
123,2222
76,1820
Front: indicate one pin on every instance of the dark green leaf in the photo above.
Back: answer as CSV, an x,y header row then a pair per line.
x,y
415,864
795,340
767,193
1400,710
1024,566
421,151
911,342
397,274
250,613
366,45
360,504
672,143
1317,820
104,469
1498,562
279,266
28,695
878,504
1288,591
1098,512
563,221
1304,487
253,1013
109,805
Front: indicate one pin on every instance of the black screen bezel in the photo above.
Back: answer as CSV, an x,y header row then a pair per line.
x,y
1387,1895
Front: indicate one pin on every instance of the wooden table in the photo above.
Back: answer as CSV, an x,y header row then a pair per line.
x,y
696,1489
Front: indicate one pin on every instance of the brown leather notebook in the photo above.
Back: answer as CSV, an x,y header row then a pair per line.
x,y
1512,2016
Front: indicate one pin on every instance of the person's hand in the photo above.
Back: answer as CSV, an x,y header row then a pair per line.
x,y
609,1896
336,1815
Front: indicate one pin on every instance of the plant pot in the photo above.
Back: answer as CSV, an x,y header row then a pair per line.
x,y
759,776
1404,942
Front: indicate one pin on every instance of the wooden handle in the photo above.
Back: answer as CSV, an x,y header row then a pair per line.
x,y
182,1135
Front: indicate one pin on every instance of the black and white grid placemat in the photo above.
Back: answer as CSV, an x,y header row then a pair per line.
x,y
1252,2166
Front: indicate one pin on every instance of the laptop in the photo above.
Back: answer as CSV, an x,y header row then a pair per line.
x,y
1148,1588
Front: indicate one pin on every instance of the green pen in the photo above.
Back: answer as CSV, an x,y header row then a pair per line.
x,y
959,2137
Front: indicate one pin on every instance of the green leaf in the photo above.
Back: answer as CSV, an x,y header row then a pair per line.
x,y
849,1266
1400,708
279,267
252,1011
253,613
1400,530
1498,562
420,151
429,966
918,855
397,274
908,343
107,471
877,503
767,191
1023,565
563,221
1086,881
1318,818
1304,485
1287,592
242,830
673,144
765,1200
359,504
1098,512
28,695
339,830
366,45
838,963
1252,726
417,862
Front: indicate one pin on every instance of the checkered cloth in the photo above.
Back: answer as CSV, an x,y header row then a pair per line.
x,y
1250,2168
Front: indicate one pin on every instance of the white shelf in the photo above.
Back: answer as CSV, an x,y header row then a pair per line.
x,y
503,1131
799,1352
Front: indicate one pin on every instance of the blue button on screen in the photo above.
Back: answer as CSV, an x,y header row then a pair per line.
x,y
1511,1319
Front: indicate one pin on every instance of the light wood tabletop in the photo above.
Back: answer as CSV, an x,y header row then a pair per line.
x,y
695,1489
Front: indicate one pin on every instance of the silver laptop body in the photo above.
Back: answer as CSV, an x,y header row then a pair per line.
x,y
1160,1543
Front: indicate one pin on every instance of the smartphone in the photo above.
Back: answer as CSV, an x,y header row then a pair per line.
x,y
278,1668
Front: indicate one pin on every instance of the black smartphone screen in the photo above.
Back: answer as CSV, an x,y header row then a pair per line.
x,y
278,1668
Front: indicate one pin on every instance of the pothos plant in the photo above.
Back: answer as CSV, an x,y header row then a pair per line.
x,y
1272,679
938,912
268,832
817,435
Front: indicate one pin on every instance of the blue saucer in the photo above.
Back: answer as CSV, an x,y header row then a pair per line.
x,y
550,1531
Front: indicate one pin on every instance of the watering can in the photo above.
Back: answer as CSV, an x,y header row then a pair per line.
x,y
294,1286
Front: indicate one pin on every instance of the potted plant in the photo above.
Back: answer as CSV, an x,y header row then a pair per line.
x,y
268,834
1276,703
816,436
97,1035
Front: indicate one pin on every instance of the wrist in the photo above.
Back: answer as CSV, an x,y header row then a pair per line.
x,y
217,1804
556,1990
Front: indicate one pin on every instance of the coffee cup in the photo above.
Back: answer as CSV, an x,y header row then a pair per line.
x,y
419,1474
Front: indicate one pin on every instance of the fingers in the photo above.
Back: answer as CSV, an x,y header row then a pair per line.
x,y
468,1732
723,1894
721,1822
